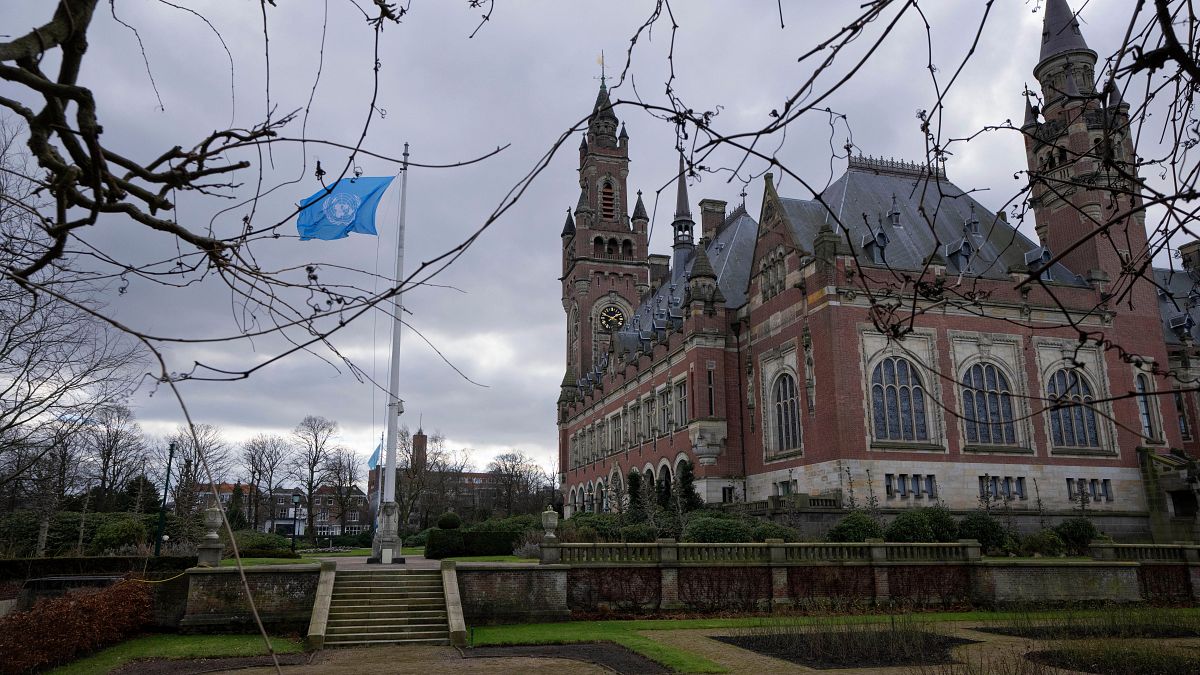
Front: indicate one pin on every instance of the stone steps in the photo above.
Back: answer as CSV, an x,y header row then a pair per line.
x,y
387,607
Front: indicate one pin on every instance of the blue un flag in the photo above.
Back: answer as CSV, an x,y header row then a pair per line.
x,y
349,207
374,461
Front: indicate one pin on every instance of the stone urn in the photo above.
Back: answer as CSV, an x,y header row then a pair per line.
x,y
212,522
549,521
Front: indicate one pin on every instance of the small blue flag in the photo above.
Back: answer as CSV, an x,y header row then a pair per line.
x,y
374,461
348,207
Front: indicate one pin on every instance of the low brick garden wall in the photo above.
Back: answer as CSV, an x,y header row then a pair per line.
x,y
283,595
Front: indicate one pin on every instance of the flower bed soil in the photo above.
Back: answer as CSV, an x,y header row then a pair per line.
x,y
196,666
606,654
1086,632
938,652
1113,662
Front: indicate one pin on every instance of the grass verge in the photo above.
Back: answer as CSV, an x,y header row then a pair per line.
x,y
491,558
627,633
254,562
175,647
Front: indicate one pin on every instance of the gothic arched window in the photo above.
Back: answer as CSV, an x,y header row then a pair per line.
x,y
898,401
786,410
987,406
1145,405
1072,419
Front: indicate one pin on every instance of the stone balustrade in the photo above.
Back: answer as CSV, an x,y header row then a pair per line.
x,y
771,552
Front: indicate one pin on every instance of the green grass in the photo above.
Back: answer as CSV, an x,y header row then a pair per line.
x,y
354,552
412,550
491,558
625,633
175,647
254,562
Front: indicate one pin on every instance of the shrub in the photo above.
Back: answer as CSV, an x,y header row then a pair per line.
x,y
58,630
444,544
529,545
360,540
523,523
765,531
909,527
264,541
115,534
716,531
266,553
643,533
1077,533
449,521
941,523
418,539
985,529
1045,542
857,526
606,525
488,543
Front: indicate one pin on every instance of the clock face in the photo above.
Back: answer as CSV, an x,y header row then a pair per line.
x,y
612,318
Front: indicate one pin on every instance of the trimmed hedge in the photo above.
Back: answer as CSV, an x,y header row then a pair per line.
x,y
1045,542
59,630
857,526
1077,533
984,528
449,521
444,544
716,531
254,540
765,531
418,539
522,524
639,534
909,527
31,568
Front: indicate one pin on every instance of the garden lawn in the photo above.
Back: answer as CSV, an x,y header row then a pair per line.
x,y
175,647
491,558
626,633
254,562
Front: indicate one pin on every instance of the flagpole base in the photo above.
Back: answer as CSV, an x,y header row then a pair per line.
x,y
386,547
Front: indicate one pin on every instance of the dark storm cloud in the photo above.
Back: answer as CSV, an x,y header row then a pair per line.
x,y
525,78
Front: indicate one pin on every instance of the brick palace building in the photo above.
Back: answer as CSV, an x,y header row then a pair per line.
x,y
755,351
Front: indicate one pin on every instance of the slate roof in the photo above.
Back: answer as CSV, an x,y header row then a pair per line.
x,y
1060,30
1180,310
864,198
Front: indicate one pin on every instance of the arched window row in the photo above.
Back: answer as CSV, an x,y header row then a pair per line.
x,y
772,273
612,247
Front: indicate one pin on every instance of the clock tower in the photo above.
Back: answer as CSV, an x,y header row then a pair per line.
x,y
604,250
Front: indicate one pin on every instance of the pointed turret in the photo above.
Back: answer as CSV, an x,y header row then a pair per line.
x,y
639,209
702,268
624,136
569,226
1060,30
1070,88
1030,114
602,125
1114,96
684,243
682,210
582,205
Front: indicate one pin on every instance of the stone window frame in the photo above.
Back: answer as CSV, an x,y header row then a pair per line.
x,y
1153,406
773,362
1007,353
920,348
679,411
776,429
1054,354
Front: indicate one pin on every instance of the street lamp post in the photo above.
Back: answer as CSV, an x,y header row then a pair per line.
x,y
162,509
295,515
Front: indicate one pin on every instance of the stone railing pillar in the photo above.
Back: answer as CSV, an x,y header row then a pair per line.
x,y
551,551
668,574
780,595
972,551
879,569
208,553
1102,550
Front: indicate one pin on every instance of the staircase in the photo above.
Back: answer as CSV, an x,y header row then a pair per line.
x,y
387,607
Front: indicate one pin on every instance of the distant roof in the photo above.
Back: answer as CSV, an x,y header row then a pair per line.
x,y
930,213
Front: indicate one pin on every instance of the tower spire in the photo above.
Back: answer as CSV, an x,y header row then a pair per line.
x,y
684,243
682,210
1060,30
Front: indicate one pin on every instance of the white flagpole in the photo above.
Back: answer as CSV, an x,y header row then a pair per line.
x,y
387,540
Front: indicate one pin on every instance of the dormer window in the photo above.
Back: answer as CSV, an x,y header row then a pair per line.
x,y
959,254
894,214
1038,261
971,227
873,246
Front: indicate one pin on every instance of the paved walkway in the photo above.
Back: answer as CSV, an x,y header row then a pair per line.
x,y
413,660
411,562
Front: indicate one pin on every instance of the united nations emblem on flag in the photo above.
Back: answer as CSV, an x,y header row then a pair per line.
x,y
348,206
341,208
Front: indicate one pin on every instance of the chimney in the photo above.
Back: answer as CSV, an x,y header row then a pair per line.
x,y
418,451
712,217
1189,253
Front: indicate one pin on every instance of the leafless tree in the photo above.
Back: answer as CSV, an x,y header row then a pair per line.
x,y
265,458
313,437
521,483
190,487
116,451
342,473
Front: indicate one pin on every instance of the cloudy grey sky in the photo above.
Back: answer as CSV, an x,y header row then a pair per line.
x,y
526,77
